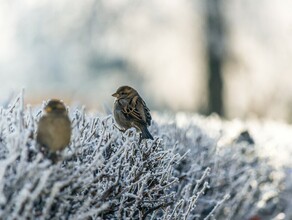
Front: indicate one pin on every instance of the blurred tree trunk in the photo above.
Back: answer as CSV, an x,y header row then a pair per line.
x,y
215,54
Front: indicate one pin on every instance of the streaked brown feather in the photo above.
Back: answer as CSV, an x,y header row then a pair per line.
x,y
130,110
138,110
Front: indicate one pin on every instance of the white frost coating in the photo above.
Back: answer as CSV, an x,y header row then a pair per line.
x,y
106,174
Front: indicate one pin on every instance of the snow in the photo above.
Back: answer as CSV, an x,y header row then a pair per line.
x,y
196,168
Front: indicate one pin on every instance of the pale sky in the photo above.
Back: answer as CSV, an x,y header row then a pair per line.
x,y
61,48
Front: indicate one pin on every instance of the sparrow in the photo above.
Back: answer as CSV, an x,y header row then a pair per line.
x,y
54,127
130,110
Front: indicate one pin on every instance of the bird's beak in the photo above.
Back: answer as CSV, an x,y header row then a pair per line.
x,y
115,95
48,109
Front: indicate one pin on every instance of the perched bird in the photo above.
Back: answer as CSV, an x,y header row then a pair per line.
x,y
54,127
131,111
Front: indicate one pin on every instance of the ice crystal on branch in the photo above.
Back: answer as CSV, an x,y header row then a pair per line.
x,y
107,174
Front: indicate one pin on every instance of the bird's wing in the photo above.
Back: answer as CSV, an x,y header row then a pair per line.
x,y
147,112
42,132
138,110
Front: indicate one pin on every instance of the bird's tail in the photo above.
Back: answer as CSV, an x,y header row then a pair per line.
x,y
146,134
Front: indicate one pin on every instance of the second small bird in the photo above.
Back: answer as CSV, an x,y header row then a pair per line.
x,y
130,110
54,128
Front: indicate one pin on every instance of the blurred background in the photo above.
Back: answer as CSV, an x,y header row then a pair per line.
x,y
224,56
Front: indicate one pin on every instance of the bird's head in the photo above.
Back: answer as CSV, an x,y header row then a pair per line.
x,y
55,106
125,92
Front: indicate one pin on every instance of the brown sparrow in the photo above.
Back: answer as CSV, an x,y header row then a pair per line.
x,y
131,111
54,127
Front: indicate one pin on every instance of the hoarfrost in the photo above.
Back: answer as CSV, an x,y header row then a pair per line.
x,y
105,174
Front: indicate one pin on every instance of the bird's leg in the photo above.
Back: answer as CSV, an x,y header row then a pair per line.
x,y
140,138
120,129
44,149
54,157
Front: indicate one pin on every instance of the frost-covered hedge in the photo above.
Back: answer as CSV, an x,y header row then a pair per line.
x,y
106,174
